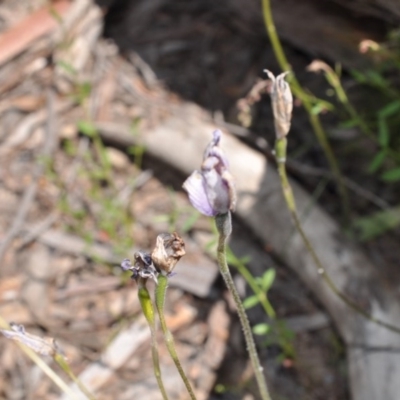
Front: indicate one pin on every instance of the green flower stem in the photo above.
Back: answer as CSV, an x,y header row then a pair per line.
x,y
306,101
148,311
60,360
280,153
161,290
224,227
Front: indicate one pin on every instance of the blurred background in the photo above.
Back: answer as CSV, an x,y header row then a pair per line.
x,y
105,109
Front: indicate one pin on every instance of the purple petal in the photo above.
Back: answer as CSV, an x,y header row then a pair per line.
x,y
213,149
216,189
126,264
194,185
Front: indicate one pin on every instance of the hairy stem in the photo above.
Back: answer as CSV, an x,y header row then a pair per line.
x,y
223,223
148,311
160,302
280,153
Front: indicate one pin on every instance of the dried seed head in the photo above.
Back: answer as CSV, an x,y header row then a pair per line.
x,y
168,251
282,103
142,269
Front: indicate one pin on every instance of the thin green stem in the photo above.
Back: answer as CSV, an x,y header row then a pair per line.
x,y
280,152
249,278
306,101
60,360
223,223
161,290
148,311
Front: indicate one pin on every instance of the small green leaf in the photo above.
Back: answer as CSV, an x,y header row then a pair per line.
x,y
383,132
245,260
376,79
318,108
377,224
350,123
67,67
392,176
377,161
268,279
390,109
190,221
261,329
87,128
250,302
358,76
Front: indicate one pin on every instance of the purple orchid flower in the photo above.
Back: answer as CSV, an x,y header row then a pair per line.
x,y
211,190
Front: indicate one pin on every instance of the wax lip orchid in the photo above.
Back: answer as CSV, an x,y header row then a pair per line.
x,y
211,190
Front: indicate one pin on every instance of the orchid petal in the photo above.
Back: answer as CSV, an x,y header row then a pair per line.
x,y
194,185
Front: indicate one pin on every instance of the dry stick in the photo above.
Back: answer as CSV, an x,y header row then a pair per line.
x,y
224,227
314,119
161,289
280,151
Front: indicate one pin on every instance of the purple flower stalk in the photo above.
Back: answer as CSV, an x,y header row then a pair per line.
x,y
211,190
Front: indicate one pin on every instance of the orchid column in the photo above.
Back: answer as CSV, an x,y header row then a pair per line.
x,y
212,192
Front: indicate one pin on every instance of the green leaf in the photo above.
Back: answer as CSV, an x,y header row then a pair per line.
x,y
190,221
318,108
376,79
377,224
67,67
392,176
261,329
350,123
268,279
359,76
250,302
383,132
390,109
377,161
87,128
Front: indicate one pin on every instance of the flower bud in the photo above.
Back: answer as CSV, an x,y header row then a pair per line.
x,y
168,251
211,190
282,104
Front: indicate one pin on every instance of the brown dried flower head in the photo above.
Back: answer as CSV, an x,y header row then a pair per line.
x,y
282,104
168,251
